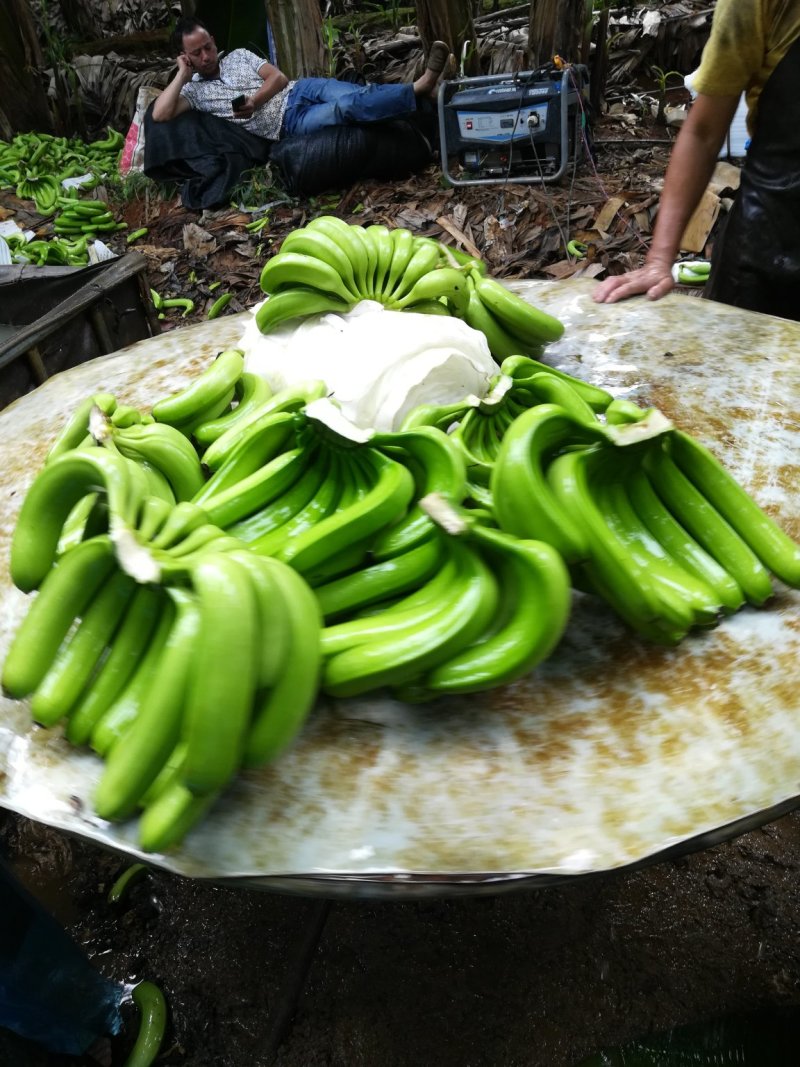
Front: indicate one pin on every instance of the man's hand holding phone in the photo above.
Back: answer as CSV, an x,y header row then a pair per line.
x,y
242,106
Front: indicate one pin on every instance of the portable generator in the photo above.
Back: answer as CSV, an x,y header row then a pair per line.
x,y
523,127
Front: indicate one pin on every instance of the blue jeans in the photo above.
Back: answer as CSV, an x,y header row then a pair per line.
x,y
318,102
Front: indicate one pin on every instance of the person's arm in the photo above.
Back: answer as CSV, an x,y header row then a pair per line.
x,y
170,103
273,80
690,167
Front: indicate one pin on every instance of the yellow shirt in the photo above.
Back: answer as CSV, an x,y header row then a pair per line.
x,y
748,39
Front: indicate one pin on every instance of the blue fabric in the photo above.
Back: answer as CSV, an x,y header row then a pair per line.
x,y
315,103
49,991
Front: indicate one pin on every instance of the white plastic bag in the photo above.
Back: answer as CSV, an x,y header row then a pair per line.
x,y
132,157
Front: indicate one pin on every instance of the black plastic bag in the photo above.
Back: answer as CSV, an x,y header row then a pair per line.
x,y
337,156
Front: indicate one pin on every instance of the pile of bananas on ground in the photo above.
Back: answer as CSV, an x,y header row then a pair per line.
x,y
204,570
329,265
35,165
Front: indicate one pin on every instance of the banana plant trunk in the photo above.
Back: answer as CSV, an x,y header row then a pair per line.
x,y
558,27
297,31
23,98
450,21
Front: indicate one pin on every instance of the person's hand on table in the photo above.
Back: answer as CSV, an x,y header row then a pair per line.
x,y
654,279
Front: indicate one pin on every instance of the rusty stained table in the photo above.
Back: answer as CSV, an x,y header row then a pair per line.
x,y
613,753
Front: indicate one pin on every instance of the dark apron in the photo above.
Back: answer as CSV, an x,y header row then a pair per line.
x,y
756,260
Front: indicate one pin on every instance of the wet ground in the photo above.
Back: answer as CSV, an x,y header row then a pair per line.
x,y
532,979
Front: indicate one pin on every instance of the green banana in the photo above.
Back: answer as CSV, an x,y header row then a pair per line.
x,y
402,251
297,303
136,758
426,257
396,617
702,520
371,254
393,577
551,389
223,679
502,344
285,401
380,238
78,657
67,588
686,600
290,270
153,514
77,426
442,470
124,654
283,707
520,318
251,392
316,243
53,494
521,368
683,548
319,506
183,518
405,655
523,502
535,599
621,411
114,720
777,551
203,393
390,493
263,532
347,238
442,283
273,646
167,450
167,819
237,508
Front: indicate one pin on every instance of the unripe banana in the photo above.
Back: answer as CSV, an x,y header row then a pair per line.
x,y
297,303
531,324
224,673
139,755
63,596
214,383
288,270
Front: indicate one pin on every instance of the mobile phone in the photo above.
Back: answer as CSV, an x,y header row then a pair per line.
x,y
237,101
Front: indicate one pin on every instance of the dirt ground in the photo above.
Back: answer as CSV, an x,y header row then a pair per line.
x,y
538,978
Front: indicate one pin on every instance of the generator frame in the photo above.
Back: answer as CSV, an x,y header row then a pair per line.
x,y
447,90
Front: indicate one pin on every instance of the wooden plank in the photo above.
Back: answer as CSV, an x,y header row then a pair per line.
x,y
701,223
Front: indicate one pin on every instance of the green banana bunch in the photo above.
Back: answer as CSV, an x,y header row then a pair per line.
x,y
625,565
89,217
523,501
437,466
400,644
735,548
533,609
